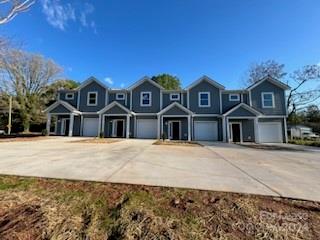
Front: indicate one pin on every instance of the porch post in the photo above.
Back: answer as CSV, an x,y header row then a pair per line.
x,y
99,126
158,127
256,130
81,125
48,123
227,123
128,126
285,129
189,128
161,126
103,123
224,129
71,124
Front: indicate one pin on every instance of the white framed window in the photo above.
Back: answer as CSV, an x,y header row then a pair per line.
x,y
174,96
92,99
69,96
120,96
145,99
267,99
234,97
204,99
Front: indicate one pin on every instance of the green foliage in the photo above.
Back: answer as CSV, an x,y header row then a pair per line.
x,y
167,81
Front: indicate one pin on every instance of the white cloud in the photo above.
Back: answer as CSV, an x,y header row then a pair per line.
x,y
122,85
108,80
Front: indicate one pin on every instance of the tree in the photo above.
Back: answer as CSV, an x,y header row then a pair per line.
x,y
26,77
9,9
257,71
313,113
52,89
167,81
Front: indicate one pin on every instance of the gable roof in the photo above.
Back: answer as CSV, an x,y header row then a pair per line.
x,y
142,80
68,106
272,80
175,104
113,104
90,80
245,106
207,79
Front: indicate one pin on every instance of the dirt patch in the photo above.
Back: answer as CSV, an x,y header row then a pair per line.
x,y
35,208
177,143
23,139
270,147
98,140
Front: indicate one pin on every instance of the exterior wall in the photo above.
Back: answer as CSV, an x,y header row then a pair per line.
x,y
59,123
175,111
275,120
218,120
108,125
226,104
92,87
245,98
166,99
60,109
241,112
76,126
155,102
194,98
184,126
73,102
247,129
112,98
185,100
115,110
279,98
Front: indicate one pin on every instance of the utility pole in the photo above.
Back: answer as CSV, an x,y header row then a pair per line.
x,y
10,110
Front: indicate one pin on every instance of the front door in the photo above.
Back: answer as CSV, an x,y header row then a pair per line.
x,y
175,130
66,125
236,135
119,129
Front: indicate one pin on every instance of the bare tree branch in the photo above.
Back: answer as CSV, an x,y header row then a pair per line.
x,y
15,7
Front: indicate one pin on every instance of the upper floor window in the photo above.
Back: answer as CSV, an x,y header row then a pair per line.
x,y
267,99
145,99
234,97
69,96
120,96
92,99
174,96
204,99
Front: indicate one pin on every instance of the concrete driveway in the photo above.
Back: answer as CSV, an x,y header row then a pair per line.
x,y
217,166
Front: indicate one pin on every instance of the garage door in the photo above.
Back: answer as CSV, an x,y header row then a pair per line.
x,y
270,132
205,131
90,127
146,128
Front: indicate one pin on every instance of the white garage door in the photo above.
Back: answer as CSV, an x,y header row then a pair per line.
x,y
146,128
205,131
270,132
90,127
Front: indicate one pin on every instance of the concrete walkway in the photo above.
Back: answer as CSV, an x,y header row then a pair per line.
x,y
217,166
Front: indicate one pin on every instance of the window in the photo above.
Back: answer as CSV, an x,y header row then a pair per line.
x,y
267,99
145,99
174,96
204,99
92,99
120,96
69,96
234,97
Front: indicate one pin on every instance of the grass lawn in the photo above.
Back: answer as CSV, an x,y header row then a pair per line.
x,y
34,208
305,142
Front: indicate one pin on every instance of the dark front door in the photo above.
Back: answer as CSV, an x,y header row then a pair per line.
x,y
236,132
175,130
66,127
119,128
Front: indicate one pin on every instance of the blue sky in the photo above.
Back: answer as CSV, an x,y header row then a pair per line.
x,y
124,40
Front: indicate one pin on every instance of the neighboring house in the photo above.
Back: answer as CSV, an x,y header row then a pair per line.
x,y
301,131
202,111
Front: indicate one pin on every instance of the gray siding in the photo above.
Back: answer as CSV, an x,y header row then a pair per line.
x,y
226,104
115,110
73,102
184,101
108,125
175,111
112,98
279,98
245,98
184,126
241,112
76,126
155,92
247,129
92,87
60,109
166,99
194,98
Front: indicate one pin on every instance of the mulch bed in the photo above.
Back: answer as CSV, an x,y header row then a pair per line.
x,y
98,140
177,143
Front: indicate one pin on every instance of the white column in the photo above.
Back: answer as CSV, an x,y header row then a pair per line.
x,y
189,128
71,124
135,126
99,125
48,123
103,123
256,130
227,125
81,125
224,139
158,127
128,126
285,129
161,127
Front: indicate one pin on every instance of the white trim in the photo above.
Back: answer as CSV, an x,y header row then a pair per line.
x,y
232,95
58,97
207,79
244,117
256,130
175,104
224,129
68,97
90,80
272,116
78,100
170,129
107,97
144,79
250,99
231,132
207,115
120,94
114,134
182,100
96,99
188,99
220,100
71,123
189,128
175,99
272,80
64,104
250,109
199,100
145,114
131,100
285,129
161,103
126,99
262,99
150,99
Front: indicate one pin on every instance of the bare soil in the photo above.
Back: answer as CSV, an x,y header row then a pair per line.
x,y
23,139
36,208
98,140
177,143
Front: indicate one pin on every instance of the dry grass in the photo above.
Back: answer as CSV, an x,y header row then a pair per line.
x,y
98,140
23,139
33,208
177,143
